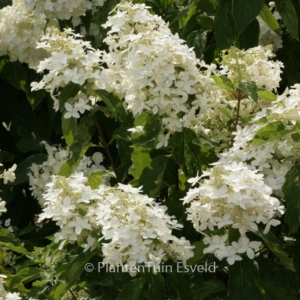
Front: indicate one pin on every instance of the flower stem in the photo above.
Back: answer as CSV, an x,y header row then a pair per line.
x,y
239,98
73,295
106,147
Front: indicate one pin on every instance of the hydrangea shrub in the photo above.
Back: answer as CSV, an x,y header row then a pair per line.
x,y
150,149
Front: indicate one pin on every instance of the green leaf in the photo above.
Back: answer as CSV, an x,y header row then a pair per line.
x,y
205,142
272,132
26,274
274,245
244,282
191,26
162,5
296,137
114,104
289,16
69,127
95,179
250,35
224,82
291,190
23,167
122,133
249,88
85,129
197,40
19,76
72,272
181,285
205,22
78,150
174,203
205,289
152,178
125,152
16,74
132,290
69,91
8,240
26,230
58,292
227,111
156,289
186,13
6,156
198,254
140,160
225,29
35,98
244,12
77,266
151,128
206,6
266,95
275,291
270,20
185,153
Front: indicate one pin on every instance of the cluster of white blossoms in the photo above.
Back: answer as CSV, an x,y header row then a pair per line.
x,y
7,176
266,35
272,158
131,228
71,60
151,68
63,9
20,30
216,120
232,197
237,193
212,123
286,108
8,296
254,64
40,175
266,157
2,206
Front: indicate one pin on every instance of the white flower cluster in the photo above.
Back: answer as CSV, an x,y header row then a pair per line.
x,y
267,157
233,197
7,176
151,68
63,9
20,30
254,64
40,175
8,296
2,206
212,123
216,120
131,228
78,104
266,35
273,159
287,107
71,60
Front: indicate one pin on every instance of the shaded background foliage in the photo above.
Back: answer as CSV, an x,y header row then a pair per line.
x,y
208,26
